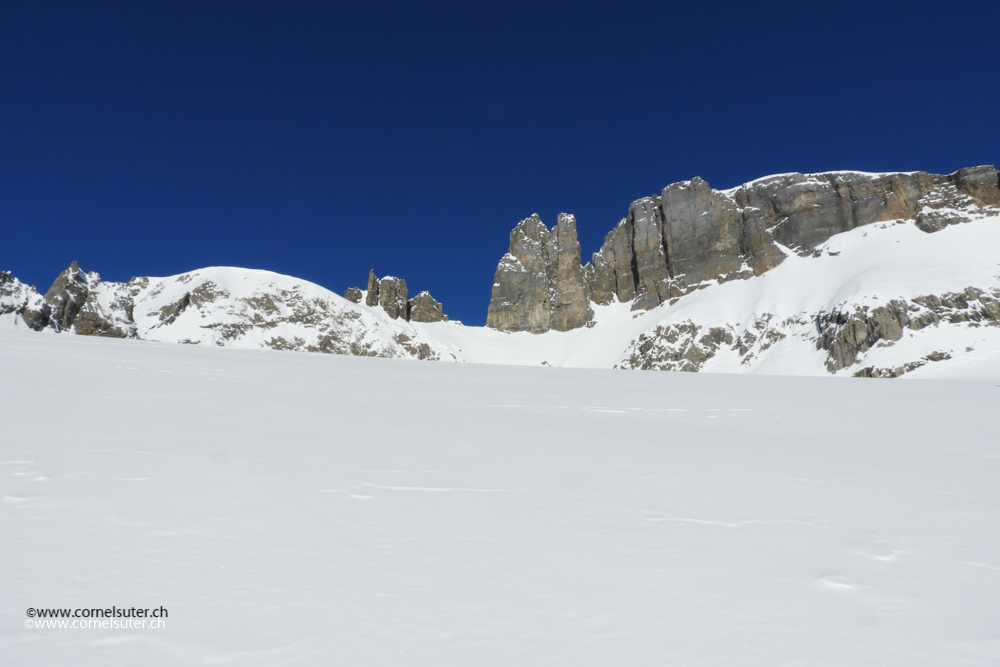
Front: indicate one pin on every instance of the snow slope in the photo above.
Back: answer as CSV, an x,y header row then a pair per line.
x,y
293,509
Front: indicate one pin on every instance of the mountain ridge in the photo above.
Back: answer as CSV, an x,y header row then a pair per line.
x,y
670,244
899,295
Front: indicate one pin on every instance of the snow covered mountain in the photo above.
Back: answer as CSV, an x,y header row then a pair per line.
x,y
881,299
223,306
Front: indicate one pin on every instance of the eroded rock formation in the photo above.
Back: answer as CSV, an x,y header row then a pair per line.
x,y
425,308
392,296
539,284
690,234
353,294
371,299
844,335
77,301
23,301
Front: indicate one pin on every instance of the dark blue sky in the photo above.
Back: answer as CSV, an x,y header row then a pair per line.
x,y
323,139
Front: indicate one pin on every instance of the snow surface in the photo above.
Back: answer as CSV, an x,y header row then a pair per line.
x,y
309,509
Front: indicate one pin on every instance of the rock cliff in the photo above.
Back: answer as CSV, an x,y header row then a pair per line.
x,y
690,235
539,284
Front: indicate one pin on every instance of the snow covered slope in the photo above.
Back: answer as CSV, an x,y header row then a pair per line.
x,y
882,300
295,509
243,308
222,306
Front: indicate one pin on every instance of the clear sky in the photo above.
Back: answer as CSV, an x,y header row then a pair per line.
x,y
323,139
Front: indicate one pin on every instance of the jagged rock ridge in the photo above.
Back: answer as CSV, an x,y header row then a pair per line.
x,y
690,234
392,296
879,300
223,307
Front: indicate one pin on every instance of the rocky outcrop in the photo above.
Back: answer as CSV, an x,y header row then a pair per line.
x,y
416,349
393,297
371,298
77,301
678,347
690,235
66,297
107,310
539,284
425,308
202,307
23,301
896,371
845,334
353,294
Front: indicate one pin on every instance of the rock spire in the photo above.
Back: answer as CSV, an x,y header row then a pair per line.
x,y
539,284
392,295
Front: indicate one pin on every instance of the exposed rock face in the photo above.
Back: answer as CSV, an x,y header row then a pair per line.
x,y
66,297
679,347
107,310
610,275
393,297
372,298
674,242
421,351
570,308
845,335
353,294
539,284
896,371
22,300
76,301
425,308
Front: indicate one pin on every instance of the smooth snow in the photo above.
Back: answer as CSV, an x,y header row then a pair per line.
x,y
308,509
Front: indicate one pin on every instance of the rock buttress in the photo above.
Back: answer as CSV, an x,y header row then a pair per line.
x,y
539,284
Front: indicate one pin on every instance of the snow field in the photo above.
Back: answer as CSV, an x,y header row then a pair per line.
x,y
293,508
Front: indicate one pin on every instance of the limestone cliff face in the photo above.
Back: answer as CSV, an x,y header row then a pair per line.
x,y
690,234
539,284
